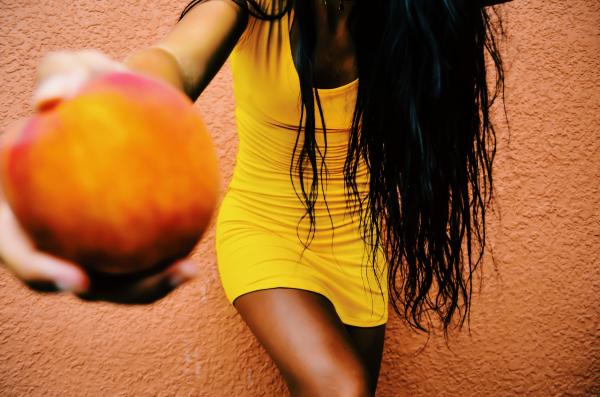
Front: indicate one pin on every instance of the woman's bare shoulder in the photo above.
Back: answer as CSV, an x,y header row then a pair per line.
x,y
203,38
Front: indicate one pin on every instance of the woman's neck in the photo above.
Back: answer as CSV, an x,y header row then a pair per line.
x,y
334,53
332,13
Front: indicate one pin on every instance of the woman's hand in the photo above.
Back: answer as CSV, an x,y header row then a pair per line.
x,y
44,272
60,74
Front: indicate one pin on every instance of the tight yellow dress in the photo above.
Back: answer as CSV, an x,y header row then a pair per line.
x,y
258,237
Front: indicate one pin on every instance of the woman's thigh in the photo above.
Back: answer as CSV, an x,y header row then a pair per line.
x,y
306,339
368,341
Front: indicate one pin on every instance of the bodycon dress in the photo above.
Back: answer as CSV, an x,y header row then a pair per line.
x,y
259,231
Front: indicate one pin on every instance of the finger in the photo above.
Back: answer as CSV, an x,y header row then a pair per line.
x,y
59,86
97,62
143,291
62,73
57,62
40,270
165,281
181,271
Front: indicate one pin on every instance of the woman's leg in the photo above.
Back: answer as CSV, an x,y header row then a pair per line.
x,y
306,339
369,343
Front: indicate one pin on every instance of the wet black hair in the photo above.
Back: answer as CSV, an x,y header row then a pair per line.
x,y
422,125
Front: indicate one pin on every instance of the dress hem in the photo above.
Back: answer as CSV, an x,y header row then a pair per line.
x,y
345,319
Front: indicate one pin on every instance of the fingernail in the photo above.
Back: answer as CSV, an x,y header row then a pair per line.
x,y
58,87
186,271
69,283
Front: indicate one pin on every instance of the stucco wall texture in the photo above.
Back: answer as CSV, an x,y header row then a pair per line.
x,y
535,324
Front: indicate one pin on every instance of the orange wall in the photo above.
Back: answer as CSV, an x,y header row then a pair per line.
x,y
534,328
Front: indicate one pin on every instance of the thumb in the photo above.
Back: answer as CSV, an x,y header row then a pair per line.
x,y
98,62
59,86
34,267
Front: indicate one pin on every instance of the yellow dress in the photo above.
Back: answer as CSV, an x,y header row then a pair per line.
x,y
257,230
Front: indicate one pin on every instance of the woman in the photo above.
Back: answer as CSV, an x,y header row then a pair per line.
x,y
364,166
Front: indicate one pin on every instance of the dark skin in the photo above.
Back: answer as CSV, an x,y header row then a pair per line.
x,y
317,353
334,57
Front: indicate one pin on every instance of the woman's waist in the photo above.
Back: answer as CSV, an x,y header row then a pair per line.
x,y
278,160
272,160
285,215
281,198
272,144
274,183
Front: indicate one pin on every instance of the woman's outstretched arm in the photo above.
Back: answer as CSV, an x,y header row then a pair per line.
x,y
187,58
196,48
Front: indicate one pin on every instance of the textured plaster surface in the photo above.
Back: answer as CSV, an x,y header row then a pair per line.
x,y
535,323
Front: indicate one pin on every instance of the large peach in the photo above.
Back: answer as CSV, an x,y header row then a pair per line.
x,y
121,179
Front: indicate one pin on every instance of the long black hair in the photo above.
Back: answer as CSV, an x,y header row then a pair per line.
x,y
422,125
